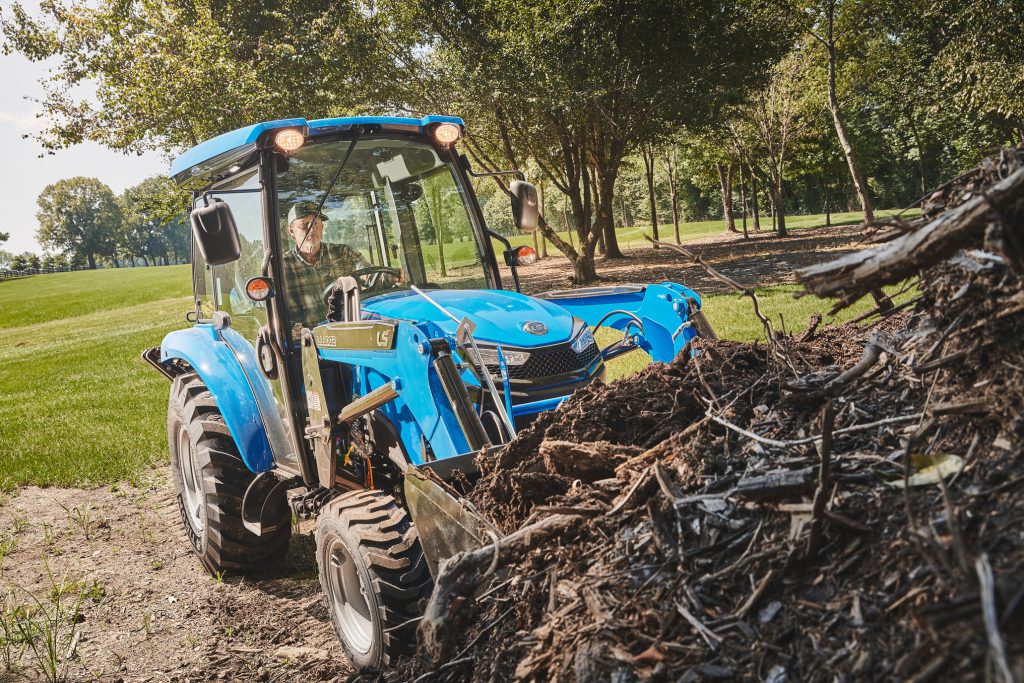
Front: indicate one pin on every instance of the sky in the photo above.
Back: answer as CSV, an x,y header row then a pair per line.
x,y
24,174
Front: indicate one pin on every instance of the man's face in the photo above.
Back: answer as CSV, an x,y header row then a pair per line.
x,y
308,232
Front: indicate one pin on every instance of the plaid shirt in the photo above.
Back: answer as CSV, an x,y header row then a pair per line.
x,y
305,282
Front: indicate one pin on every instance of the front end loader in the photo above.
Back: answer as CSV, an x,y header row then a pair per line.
x,y
356,341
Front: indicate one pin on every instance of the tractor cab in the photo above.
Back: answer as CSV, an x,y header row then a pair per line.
x,y
352,328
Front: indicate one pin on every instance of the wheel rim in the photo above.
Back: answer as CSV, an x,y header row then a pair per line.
x,y
191,492
348,598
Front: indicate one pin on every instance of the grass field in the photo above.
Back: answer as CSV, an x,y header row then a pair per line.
x,y
78,407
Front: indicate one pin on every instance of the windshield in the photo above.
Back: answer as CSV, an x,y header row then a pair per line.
x,y
396,216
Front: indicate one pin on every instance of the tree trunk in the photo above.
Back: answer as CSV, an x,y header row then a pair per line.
x,y
840,125
725,183
543,239
753,196
648,155
92,261
673,189
604,217
920,152
565,221
779,208
583,270
743,202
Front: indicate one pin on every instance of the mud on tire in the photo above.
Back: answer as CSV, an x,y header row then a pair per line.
x,y
373,575
210,479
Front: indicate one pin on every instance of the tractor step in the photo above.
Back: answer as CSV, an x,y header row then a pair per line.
x,y
259,503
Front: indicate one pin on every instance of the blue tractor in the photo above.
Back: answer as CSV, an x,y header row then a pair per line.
x,y
354,327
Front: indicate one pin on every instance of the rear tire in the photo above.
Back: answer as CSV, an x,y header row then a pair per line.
x,y
373,575
210,480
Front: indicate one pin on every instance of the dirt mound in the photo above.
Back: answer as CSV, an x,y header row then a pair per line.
x,y
840,504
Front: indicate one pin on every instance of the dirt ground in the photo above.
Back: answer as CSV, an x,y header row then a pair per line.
x,y
764,259
148,610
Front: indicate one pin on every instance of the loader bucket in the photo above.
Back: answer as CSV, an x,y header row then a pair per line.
x,y
445,523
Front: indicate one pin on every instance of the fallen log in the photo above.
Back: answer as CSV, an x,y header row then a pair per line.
x,y
856,274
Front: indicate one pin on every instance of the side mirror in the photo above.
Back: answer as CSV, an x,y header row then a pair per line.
x,y
525,208
216,233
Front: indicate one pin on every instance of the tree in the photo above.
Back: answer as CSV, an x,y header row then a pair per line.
x,y
670,159
578,86
725,183
826,35
168,74
79,216
150,211
647,152
54,261
768,127
4,236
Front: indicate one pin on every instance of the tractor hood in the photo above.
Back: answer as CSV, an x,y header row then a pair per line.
x,y
502,317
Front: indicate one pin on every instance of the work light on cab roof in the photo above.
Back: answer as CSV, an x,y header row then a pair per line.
x,y
329,367
289,140
447,133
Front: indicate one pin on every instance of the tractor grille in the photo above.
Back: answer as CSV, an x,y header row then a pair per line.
x,y
558,360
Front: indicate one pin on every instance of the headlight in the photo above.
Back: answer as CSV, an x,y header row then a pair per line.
x,y
584,341
490,356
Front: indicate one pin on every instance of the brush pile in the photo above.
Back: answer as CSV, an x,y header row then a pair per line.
x,y
840,504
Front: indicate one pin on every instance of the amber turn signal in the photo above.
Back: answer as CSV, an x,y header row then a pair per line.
x,y
521,256
259,288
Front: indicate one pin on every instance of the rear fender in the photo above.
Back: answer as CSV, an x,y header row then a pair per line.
x,y
220,368
663,310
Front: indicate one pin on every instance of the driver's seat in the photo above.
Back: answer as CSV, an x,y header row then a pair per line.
x,y
343,305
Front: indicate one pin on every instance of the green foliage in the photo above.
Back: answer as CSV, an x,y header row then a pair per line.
x,y
575,87
80,216
153,221
170,74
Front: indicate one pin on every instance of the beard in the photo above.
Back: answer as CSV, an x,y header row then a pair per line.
x,y
310,246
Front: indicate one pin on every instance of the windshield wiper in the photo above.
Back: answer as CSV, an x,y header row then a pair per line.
x,y
334,180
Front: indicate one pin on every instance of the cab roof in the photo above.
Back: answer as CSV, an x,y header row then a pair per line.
x,y
207,158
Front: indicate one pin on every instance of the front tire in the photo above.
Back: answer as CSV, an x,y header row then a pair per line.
x,y
210,480
373,574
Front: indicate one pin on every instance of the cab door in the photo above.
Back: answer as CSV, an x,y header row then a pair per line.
x,y
225,287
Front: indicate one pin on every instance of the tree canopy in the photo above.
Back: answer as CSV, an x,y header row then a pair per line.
x,y
795,105
80,216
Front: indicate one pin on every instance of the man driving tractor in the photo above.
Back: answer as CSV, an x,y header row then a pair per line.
x,y
312,264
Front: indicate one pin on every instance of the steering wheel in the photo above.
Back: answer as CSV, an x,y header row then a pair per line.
x,y
376,275
368,278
